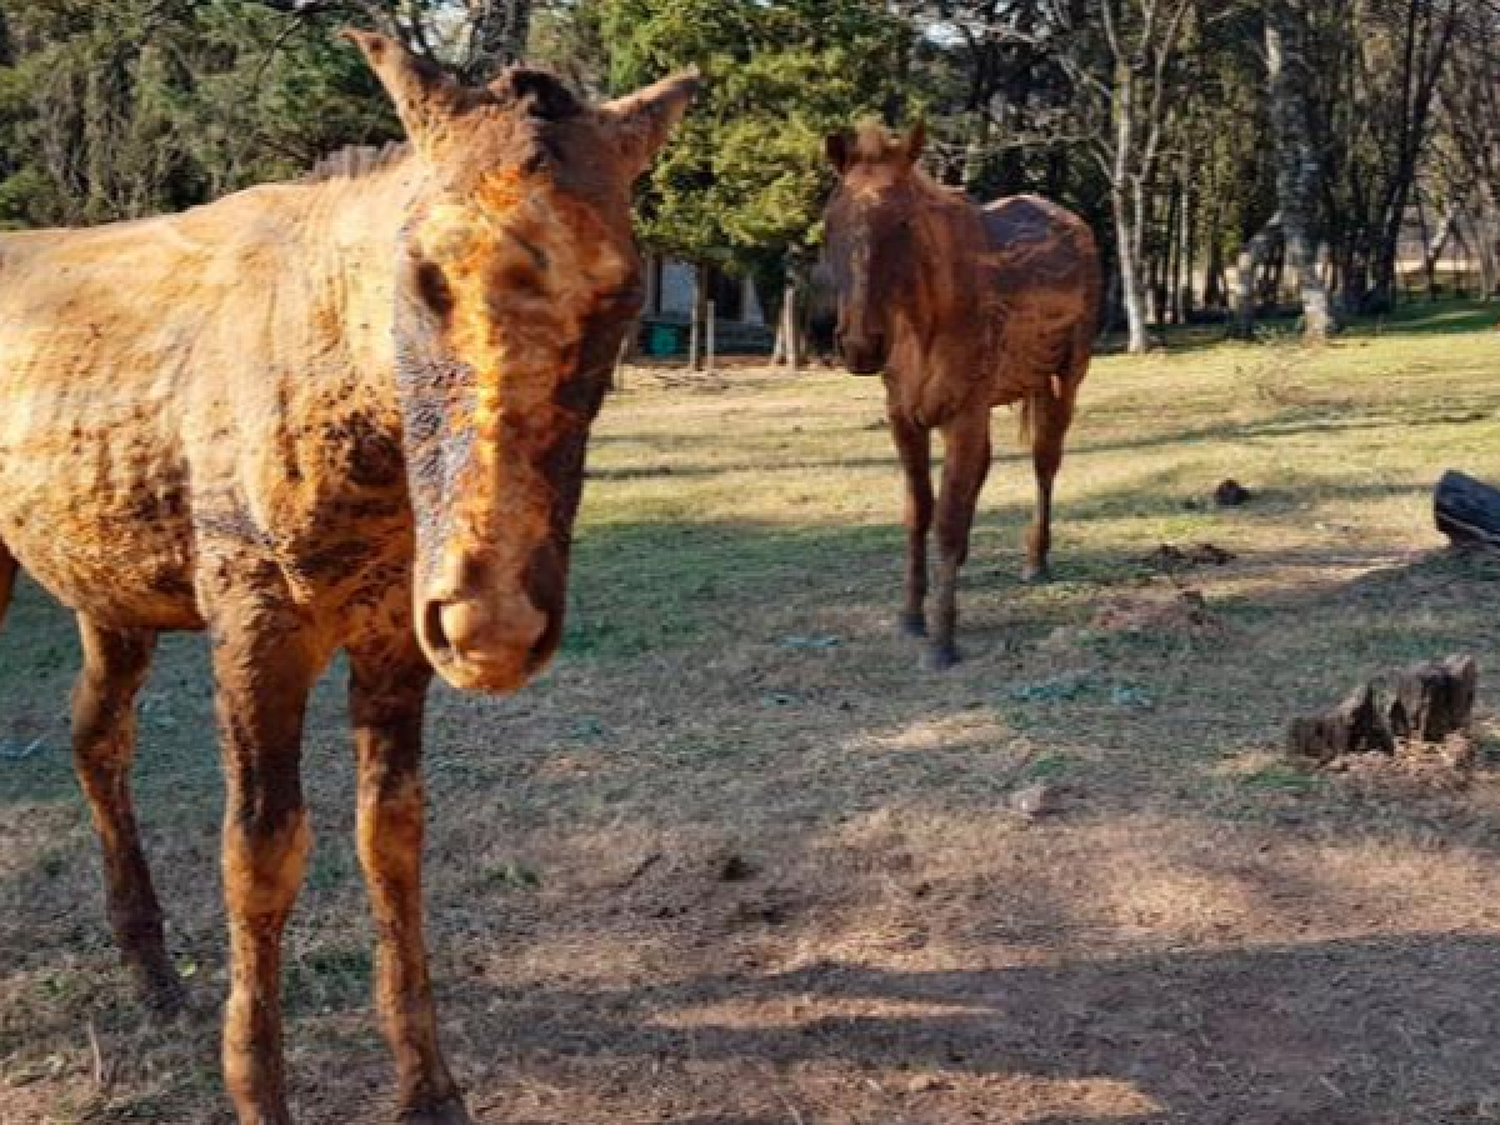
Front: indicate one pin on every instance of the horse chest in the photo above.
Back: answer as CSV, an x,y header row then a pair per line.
x,y
320,495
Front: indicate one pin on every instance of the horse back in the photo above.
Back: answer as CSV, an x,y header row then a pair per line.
x,y
1039,252
1042,287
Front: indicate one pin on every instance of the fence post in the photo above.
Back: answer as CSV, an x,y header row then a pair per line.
x,y
708,330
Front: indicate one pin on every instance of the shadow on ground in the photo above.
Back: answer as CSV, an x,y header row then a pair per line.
x,y
1259,1036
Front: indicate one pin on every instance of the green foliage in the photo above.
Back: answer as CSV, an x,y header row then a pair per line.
x,y
119,110
743,182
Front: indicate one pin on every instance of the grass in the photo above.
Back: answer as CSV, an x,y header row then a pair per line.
x,y
1201,933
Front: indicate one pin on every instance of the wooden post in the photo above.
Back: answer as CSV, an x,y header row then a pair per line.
x,y
789,328
627,349
709,329
700,315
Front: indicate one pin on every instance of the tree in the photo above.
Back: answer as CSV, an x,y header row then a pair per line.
x,y
1297,161
1376,71
742,185
120,110
1470,123
475,39
1122,57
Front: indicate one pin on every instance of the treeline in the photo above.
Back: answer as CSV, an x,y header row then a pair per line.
x,y
1230,152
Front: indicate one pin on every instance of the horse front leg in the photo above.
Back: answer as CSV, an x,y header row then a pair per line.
x,y
966,445
115,665
265,664
9,568
387,693
914,446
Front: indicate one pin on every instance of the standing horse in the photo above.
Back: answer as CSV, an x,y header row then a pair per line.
x,y
963,308
340,415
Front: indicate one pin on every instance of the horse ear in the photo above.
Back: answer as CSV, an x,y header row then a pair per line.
x,y
916,141
645,119
836,148
423,95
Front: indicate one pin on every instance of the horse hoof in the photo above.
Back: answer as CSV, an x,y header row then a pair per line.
x,y
450,1111
162,993
939,658
1036,575
913,625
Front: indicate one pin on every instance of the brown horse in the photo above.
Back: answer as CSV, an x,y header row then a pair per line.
x,y
348,414
963,308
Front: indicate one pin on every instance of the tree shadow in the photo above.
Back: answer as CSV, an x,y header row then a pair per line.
x,y
1362,1031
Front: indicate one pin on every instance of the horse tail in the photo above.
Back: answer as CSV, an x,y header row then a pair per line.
x,y
8,569
1026,418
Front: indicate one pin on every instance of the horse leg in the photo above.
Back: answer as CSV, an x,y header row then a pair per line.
x,y
115,664
914,446
1051,414
8,569
264,668
387,692
966,444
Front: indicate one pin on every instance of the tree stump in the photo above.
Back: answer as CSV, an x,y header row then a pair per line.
x,y
1431,701
1467,511
1423,703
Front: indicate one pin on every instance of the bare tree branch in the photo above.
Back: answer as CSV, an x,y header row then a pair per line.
x,y
371,11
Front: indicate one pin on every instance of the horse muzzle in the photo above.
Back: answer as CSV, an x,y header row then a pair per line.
x,y
864,352
486,636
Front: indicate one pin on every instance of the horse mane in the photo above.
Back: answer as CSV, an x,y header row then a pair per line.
x,y
875,142
355,162
538,95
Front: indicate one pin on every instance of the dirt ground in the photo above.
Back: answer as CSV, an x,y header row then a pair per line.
x,y
736,861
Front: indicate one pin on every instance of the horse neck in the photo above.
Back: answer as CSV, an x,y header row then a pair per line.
x,y
945,301
352,226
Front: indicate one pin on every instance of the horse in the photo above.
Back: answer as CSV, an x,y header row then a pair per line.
x,y
961,308
346,414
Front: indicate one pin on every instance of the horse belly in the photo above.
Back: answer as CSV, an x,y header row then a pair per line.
x,y
100,519
1034,345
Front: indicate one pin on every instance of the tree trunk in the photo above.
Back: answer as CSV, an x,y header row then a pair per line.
x,y
1429,36
1435,247
1297,164
1489,268
1251,258
1131,295
1214,295
500,32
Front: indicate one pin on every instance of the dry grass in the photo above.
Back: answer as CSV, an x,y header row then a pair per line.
x,y
734,861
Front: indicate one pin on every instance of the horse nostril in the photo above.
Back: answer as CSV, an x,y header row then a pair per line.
x,y
433,632
546,642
